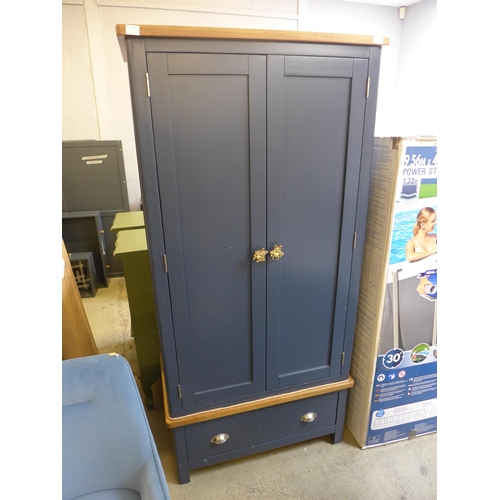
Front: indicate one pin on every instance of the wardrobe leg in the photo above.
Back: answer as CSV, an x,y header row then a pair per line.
x,y
181,456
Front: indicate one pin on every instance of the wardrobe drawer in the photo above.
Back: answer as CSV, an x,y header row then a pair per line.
x,y
260,426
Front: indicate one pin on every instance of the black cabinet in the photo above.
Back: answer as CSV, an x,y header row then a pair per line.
x,y
84,232
93,178
254,159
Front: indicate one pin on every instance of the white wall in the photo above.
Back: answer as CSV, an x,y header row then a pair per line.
x,y
96,98
416,84
79,119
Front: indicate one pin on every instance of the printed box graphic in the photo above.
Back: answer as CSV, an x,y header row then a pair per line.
x,y
394,361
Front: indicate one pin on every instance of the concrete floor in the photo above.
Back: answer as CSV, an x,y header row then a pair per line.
x,y
313,470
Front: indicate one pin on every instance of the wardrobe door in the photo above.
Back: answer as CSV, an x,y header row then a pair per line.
x,y
210,142
315,125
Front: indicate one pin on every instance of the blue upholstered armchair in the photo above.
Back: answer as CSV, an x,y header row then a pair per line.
x,y
108,451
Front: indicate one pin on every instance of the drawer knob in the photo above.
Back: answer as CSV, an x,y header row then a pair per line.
x,y
308,417
219,439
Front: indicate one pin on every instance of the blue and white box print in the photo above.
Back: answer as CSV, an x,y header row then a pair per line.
x,y
394,362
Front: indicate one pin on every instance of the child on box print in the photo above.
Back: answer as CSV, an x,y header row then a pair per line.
x,y
423,243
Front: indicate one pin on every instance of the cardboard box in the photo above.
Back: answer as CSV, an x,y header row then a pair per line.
x,y
394,361
77,338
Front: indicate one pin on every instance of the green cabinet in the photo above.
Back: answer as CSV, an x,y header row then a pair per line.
x,y
128,220
131,247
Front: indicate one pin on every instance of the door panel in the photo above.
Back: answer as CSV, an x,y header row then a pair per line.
x,y
210,177
311,207
318,66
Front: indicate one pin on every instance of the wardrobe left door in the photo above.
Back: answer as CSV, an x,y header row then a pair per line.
x,y
209,122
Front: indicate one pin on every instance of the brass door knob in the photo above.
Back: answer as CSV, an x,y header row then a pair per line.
x,y
276,252
260,255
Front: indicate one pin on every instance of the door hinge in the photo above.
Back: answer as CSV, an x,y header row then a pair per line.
x,y
368,87
343,359
354,241
165,263
147,84
179,392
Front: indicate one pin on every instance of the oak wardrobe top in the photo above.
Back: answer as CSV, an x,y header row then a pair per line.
x,y
134,30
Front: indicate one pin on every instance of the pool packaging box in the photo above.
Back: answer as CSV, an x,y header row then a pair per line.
x,y
394,359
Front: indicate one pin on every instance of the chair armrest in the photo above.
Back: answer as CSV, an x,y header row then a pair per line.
x,y
151,486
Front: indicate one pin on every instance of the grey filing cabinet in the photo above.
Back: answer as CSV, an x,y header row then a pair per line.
x,y
254,152
131,247
93,178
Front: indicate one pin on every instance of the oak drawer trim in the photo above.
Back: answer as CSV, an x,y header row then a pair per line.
x,y
226,411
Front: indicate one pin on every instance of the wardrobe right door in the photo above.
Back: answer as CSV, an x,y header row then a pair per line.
x,y
315,116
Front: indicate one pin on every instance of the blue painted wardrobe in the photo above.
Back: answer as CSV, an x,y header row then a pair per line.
x,y
254,151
